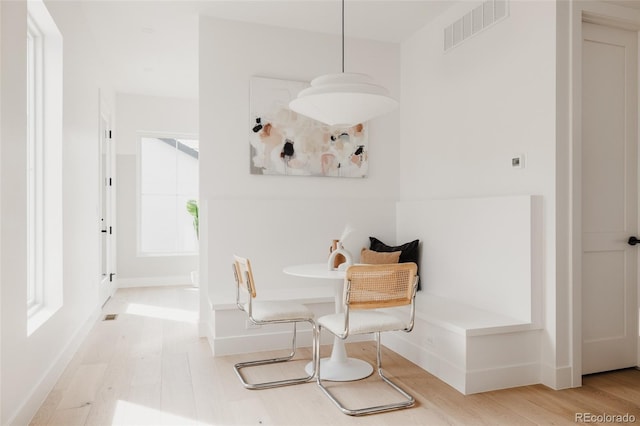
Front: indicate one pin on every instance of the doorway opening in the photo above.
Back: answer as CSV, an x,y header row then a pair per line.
x,y
168,217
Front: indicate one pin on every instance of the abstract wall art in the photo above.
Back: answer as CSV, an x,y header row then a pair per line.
x,y
283,142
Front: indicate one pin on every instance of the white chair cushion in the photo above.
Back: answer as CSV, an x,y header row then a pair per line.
x,y
278,310
361,322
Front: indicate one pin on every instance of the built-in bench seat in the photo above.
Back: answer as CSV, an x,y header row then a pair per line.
x,y
465,319
478,318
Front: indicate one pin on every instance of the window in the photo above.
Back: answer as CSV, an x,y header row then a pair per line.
x,y
168,179
34,167
43,166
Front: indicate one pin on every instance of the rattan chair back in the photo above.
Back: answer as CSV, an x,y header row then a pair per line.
x,y
244,275
380,286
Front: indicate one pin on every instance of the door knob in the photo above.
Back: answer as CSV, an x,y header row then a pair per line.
x,y
633,241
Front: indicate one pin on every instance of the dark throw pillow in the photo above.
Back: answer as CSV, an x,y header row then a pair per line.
x,y
409,251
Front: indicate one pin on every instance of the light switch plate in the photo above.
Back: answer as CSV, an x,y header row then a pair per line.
x,y
517,161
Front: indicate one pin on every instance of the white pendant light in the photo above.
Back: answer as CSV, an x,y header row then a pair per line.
x,y
343,99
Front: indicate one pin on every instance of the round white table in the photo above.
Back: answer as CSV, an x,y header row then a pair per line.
x,y
338,367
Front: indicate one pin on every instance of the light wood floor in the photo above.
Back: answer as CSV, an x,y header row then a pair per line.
x,y
148,367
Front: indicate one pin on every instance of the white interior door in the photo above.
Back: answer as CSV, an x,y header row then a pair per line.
x,y
609,198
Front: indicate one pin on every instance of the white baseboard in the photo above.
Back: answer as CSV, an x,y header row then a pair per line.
x,y
269,342
205,329
39,393
556,378
502,378
259,342
153,281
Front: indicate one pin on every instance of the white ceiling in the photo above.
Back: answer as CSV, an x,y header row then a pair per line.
x,y
151,47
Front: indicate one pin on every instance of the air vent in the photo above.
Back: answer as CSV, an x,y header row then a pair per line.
x,y
480,18
110,317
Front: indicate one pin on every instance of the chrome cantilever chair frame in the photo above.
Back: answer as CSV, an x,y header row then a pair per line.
x,y
409,298
249,285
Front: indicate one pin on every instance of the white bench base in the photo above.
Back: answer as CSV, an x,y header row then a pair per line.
x,y
470,349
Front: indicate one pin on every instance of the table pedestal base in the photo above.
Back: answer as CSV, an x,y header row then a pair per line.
x,y
338,368
342,370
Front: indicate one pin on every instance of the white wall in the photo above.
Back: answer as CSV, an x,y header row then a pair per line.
x,y
1,198
165,117
30,365
288,219
466,113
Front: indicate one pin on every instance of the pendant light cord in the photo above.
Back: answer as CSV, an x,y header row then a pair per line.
x,y
343,36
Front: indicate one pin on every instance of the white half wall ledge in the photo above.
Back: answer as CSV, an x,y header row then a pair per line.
x,y
305,295
178,280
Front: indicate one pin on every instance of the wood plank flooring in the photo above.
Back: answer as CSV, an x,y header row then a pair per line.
x,y
148,367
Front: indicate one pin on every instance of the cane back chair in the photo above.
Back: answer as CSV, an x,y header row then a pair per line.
x,y
368,291
264,313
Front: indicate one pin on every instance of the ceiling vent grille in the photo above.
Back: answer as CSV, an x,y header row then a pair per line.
x,y
480,18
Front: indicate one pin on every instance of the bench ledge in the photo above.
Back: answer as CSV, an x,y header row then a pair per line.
x,y
303,294
465,319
